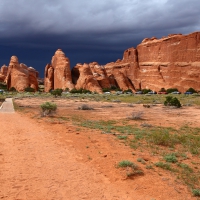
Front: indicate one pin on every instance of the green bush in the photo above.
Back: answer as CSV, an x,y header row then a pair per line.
x,y
127,163
57,92
191,90
162,90
80,91
165,166
29,89
129,90
106,89
172,101
196,192
3,86
170,90
48,108
171,158
12,89
145,91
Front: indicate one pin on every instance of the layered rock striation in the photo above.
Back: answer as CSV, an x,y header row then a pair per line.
x,y
170,62
20,76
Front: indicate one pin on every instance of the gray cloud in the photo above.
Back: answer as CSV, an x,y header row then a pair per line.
x,y
105,27
66,16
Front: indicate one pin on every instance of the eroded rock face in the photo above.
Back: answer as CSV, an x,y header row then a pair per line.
x,y
58,73
3,73
170,62
20,76
123,73
84,78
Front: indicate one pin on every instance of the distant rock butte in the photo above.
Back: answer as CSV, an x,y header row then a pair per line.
x,y
58,73
20,76
169,62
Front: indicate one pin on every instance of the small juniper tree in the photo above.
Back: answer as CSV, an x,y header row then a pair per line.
x,y
172,101
57,92
29,89
48,108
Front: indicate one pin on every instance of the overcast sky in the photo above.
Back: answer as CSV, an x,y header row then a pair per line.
x,y
88,30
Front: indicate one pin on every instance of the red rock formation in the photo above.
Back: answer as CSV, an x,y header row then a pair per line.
x,y
84,78
3,73
20,76
170,62
123,73
58,73
100,74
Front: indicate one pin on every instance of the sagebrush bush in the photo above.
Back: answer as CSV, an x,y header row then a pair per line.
x,y
48,108
136,115
171,158
127,163
196,192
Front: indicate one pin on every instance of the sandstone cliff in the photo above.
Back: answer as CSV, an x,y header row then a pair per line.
x,y
58,73
169,62
172,61
20,76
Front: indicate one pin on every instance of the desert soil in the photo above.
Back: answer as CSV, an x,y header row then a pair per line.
x,y
42,158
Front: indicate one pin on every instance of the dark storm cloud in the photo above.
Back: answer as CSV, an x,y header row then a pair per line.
x,y
88,30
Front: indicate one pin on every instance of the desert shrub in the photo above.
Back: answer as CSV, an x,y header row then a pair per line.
x,y
145,91
191,90
171,158
29,89
185,167
162,90
85,107
165,166
106,89
172,101
84,91
12,89
163,138
80,91
170,90
57,92
3,86
48,108
196,192
129,90
76,91
136,115
127,163
113,87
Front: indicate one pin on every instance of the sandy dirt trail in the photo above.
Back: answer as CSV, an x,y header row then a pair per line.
x,y
34,166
